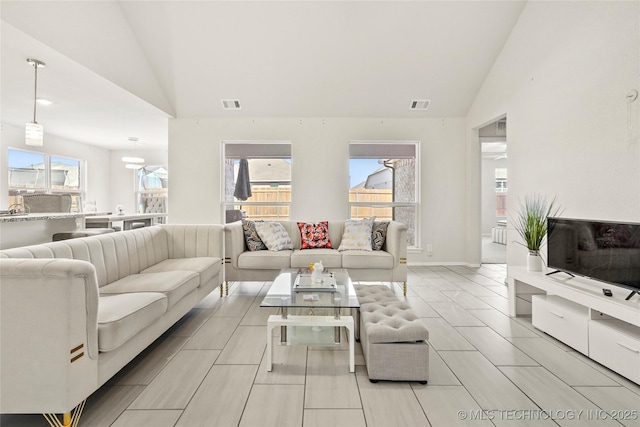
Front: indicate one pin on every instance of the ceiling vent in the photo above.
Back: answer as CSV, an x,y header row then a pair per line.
x,y
230,104
420,104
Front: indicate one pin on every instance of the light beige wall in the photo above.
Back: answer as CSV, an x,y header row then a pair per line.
x,y
562,80
320,175
109,183
98,162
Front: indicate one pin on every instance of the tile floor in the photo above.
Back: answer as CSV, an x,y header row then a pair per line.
x,y
493,253
486,369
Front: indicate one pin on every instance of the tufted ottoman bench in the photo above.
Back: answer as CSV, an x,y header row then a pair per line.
x,y
394,340
368,294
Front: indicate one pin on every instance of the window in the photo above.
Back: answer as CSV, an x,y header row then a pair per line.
x,y
152,189
257,180
31,172
501,191
384,183
65,174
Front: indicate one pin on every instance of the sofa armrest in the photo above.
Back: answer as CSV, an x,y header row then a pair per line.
x,y
396,242
49,334
234,244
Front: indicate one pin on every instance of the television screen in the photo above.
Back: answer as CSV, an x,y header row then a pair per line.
x,y
601,250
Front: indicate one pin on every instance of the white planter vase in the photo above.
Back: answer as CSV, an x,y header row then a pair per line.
x,y
534,261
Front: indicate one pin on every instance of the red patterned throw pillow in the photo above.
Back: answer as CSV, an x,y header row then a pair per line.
x,y
314,236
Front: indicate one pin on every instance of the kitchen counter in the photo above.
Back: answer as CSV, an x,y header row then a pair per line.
x,y
106,221
32,229
47,216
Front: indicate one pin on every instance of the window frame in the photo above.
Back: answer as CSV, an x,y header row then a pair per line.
x,y
501,180
416,204
140,194
235,204
47,189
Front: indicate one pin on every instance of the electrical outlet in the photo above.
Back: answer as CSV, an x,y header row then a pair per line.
x,y
429,249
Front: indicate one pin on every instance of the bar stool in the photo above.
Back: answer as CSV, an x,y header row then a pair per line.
x,y
58,203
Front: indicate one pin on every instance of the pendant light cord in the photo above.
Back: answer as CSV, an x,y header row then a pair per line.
x,y
35,92
36,64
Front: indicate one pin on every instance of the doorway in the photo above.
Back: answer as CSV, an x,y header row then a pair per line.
x,y
494,185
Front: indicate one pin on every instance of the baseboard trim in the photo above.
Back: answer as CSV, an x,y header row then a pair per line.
x,y
443,263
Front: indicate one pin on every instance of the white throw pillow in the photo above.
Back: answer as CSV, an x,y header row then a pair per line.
x,y
274,236
357,235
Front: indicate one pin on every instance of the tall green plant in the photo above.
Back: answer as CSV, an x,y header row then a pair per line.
x,y
531,222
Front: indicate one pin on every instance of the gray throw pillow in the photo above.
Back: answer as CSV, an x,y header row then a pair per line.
x,y
378,234
251,237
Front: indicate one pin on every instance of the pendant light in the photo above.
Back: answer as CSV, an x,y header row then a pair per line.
x,y
131,160
34,133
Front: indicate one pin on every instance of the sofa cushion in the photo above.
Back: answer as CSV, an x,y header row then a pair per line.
x,y
265,260
364,259
122,316
174,284
251,237
314,235
378,234
329,258
274,236
357,235
206,267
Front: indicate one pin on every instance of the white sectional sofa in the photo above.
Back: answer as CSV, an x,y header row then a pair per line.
x,y
388,264
73,313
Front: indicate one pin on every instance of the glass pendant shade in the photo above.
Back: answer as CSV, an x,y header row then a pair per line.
x,y
133,159
34,134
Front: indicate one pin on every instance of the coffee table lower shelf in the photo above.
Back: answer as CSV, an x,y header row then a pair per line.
x,y
321,321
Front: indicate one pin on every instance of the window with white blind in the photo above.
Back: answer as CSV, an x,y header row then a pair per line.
x,y
152,189
257,180
384,179
32,172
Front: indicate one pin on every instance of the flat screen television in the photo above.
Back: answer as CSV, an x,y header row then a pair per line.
x,y
601,250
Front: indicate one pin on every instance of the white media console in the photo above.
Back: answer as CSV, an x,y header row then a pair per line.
x,y
575,311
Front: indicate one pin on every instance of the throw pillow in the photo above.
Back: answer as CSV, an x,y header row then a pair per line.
x,y
274,236
378,234
251,237
313,236
357,235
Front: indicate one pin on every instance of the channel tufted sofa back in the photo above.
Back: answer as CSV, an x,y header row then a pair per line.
x,y
118,255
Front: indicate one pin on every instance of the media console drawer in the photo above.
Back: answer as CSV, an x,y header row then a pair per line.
x,y
617,345
562,319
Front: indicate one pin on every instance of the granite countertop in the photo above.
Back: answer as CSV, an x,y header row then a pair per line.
x,y
126,217
48,216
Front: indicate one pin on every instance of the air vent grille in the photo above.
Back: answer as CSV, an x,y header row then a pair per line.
x,y
420,104
230,104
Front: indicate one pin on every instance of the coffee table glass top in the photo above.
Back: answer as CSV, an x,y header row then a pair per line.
x,y
295,290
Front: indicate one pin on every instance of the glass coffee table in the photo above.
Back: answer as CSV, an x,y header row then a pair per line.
x,y
316,307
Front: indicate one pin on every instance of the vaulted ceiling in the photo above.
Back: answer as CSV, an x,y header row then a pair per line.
x,y
121,68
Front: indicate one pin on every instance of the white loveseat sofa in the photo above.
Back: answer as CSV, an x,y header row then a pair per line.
x,y
388,264
73,313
